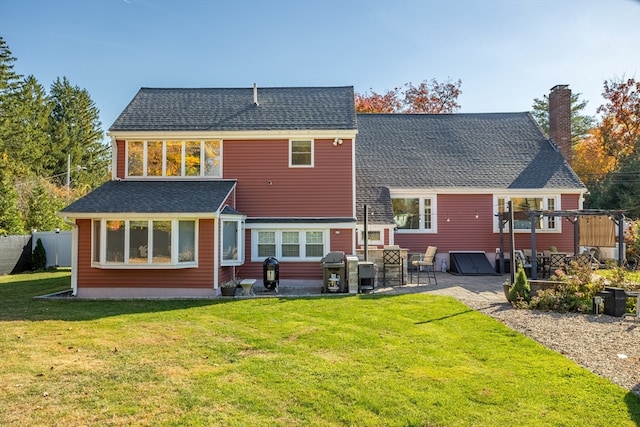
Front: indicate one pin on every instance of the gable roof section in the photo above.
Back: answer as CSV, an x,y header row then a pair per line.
x,y
379,201
153,197
233,109
493,150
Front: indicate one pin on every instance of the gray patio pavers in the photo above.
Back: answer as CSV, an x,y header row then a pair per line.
x,y
470,288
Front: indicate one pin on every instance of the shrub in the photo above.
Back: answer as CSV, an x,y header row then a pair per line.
x,y
39,256
574,292
520,291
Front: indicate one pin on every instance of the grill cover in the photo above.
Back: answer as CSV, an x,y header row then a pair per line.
x,y
336,257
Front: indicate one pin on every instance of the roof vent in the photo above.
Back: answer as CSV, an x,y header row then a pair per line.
x,y
255,95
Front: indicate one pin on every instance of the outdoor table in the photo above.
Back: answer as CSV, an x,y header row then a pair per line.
x,y
247,287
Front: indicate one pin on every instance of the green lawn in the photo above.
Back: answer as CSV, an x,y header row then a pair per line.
x,y
411,360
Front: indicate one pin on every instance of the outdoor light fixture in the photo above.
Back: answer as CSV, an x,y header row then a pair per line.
x,y
337,142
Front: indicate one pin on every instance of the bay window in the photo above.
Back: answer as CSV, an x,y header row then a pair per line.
x,y
232,240
143,242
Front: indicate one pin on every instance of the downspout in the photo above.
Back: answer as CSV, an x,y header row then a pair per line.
x,y
74,255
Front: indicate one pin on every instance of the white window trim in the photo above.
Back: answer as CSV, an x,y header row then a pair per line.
x,y
239,239
545,202
175,264
291,165
164,159
434,212
370,228
303,236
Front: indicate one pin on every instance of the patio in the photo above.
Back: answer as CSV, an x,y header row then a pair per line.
x,y
472,288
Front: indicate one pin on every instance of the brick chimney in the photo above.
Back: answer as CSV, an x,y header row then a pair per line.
x,y
560,119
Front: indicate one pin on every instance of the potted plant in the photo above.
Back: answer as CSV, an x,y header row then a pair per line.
x,y
228,288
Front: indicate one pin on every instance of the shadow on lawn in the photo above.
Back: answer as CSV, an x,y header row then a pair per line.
x,y
633,404
24,299
444,317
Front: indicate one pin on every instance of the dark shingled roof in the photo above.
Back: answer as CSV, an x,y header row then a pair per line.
x,y
474,151
213,109
153,197
496,150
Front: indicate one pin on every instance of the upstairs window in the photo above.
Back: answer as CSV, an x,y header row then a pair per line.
x,y
174,158
300,153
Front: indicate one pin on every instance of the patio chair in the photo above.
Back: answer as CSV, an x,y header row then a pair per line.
x,y
583,260
428,262
392,259
596,260
521,259
557,261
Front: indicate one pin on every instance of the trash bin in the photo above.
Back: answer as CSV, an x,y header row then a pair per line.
x,y
271,273
333,277
366,276
615,301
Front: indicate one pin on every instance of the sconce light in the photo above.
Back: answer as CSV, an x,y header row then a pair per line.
x,y
476,214
337,142
269,182
448,219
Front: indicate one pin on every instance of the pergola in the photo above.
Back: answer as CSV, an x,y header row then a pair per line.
x,y
617,216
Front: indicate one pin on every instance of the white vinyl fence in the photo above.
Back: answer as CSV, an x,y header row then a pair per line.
x,y
57,245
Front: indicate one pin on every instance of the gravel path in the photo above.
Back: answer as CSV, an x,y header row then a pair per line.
x,y
608,346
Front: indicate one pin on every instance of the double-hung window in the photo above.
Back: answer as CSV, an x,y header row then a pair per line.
x,y
414,213
289,244
522,205
131,243
301,153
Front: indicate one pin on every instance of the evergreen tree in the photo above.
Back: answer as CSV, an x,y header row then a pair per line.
x,y
10,220
581,124
43,207
9,80
9,85
39,256
27,135
76,132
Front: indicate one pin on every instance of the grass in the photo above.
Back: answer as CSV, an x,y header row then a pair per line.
x,y
411,360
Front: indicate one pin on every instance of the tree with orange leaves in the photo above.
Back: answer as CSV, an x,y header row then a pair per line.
x,y
616,142
429,97
377,102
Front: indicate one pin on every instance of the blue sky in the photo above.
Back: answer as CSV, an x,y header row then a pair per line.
x,y
506,52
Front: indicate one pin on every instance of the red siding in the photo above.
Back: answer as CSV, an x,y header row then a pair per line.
x,y
297,270
200,277
120,160
268,187
463,232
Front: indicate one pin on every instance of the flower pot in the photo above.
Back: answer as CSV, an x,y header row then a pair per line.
x,y
228,291
506,287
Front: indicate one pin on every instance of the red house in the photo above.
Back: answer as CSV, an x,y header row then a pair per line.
x,y
442,180
207,183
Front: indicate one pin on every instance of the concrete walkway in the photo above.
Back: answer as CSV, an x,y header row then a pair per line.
x,y
470,288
